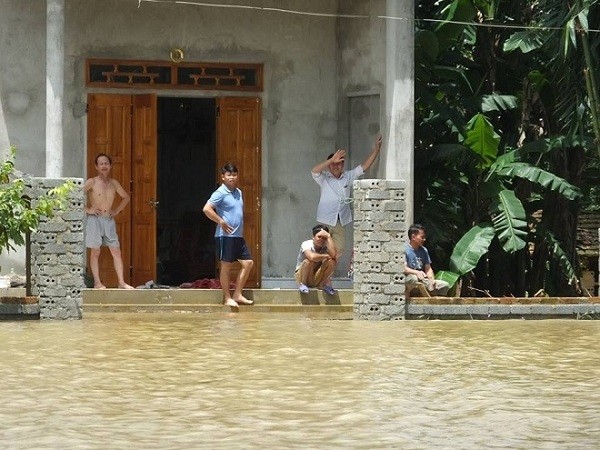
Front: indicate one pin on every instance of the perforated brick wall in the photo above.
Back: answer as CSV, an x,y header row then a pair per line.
x,y
57,254
379,238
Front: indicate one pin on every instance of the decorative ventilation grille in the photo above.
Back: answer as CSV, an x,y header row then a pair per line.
x,y
168,75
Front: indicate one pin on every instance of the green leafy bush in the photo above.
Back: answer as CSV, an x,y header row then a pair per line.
x,y
18,216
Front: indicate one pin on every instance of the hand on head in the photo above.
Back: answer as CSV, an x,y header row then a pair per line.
x,y
338,156
322,235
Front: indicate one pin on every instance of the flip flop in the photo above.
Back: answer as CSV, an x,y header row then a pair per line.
x,y
303,289
329,290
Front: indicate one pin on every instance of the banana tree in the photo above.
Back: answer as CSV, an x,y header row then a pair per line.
x,y
561,50
534,98
504,214
563,44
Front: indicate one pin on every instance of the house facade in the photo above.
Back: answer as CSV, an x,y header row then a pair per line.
x,y
172,90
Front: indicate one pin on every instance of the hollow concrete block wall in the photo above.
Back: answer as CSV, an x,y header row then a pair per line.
x,y
379,239
57,256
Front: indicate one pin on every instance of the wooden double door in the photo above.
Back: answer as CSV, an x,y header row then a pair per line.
x,y
125,128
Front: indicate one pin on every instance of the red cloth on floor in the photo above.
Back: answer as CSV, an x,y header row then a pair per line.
x,y
204,283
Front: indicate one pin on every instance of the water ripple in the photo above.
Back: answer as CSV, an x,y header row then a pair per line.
x,y
174,381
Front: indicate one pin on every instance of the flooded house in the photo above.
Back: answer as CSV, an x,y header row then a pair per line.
x,y
173,90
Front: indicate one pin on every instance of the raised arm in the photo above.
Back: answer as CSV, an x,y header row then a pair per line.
x,y
320,257
331,248
374,153
337,157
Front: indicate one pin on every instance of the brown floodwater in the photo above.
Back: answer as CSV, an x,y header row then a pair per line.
x,y
222,381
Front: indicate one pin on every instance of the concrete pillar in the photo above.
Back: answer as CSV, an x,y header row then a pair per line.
x,y
400,97
58,254
55,28
379,230
4,141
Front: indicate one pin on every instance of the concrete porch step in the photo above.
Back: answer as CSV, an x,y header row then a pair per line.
x,y
316,302
15,304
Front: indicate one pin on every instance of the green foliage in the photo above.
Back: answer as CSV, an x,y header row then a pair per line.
x,y
495,102
525,41
17,215
503,117
499,205
482,139
455,11
539,176
471,247
449,277
557,254
508,217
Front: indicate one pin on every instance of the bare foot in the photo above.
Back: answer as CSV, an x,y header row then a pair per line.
x,y
99,286
244,301
231,303
125,286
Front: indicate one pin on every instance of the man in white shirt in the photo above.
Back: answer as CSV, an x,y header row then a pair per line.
x,y
336,187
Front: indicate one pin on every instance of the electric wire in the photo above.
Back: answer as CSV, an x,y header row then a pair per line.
x,y
362,16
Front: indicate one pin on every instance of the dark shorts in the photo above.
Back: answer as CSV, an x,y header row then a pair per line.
x,y
231,249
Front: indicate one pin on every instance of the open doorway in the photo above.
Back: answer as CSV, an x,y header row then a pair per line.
x,y
182,149
186,178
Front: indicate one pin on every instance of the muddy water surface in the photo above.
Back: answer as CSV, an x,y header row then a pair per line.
x,y
179,381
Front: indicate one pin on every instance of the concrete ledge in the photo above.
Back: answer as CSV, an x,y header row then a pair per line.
x,y
313,304
16,308
213,297
503,308
339,306
12,292
31,300
329,312
503,300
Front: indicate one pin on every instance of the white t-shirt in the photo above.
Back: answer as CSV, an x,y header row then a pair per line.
x,y
308,245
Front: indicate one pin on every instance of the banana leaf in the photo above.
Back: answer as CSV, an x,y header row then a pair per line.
x,y
471,247
558,254
539,176
454,11
449,277
509,219
496,102
482,139
526,41
561,143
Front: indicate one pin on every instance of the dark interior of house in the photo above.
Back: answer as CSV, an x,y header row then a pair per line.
x,y
186,178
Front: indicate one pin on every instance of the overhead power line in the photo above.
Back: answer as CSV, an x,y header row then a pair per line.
x,y
361,16
262,8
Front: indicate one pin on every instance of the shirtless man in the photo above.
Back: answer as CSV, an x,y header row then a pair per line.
x,y
100,224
